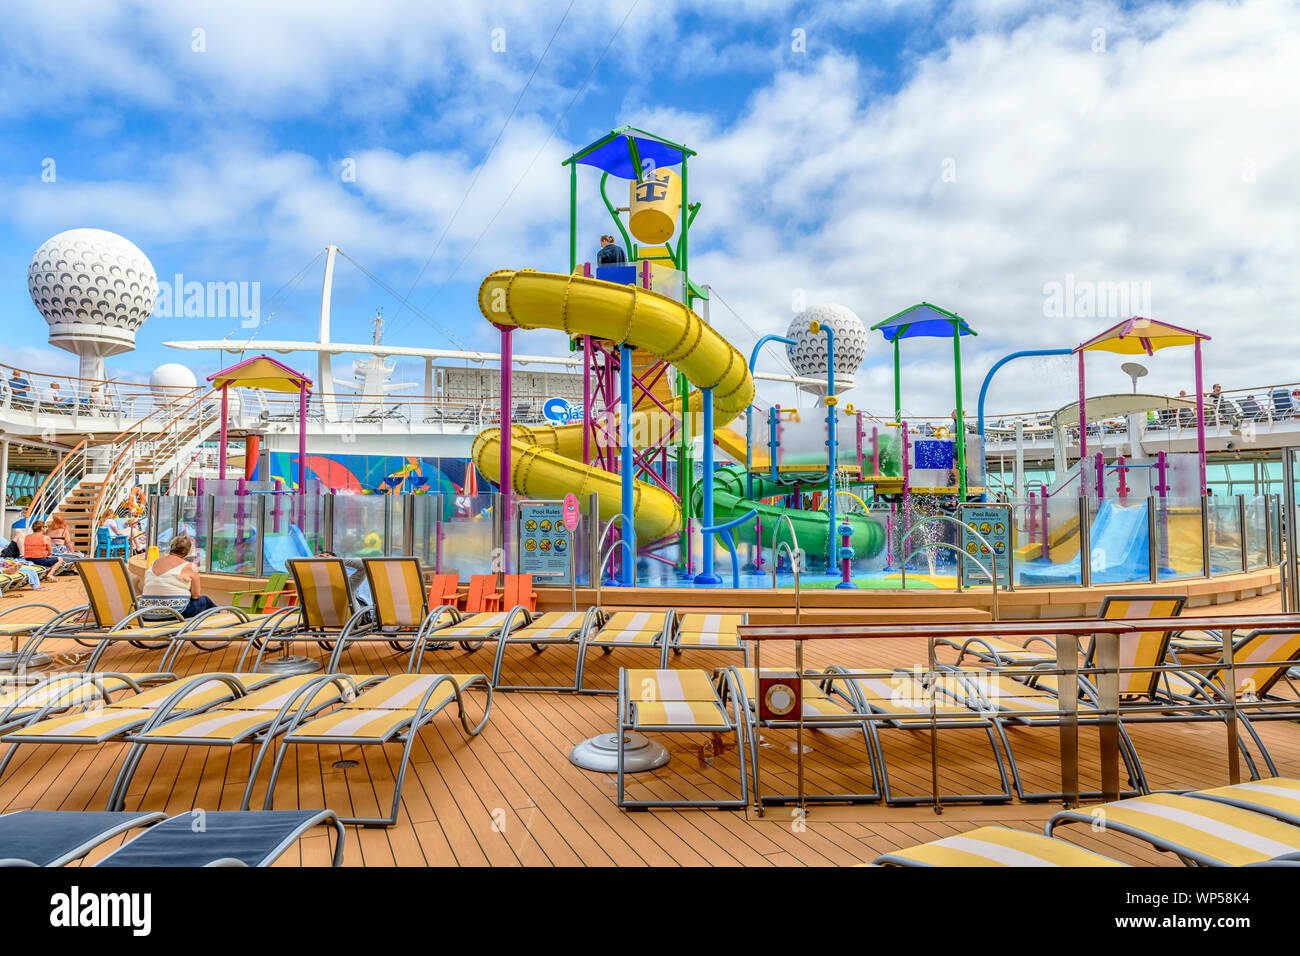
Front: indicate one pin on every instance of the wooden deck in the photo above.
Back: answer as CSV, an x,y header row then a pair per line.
x,y
510,796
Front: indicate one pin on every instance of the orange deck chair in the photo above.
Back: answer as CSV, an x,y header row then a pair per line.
x,y
519,590
483,594
444,590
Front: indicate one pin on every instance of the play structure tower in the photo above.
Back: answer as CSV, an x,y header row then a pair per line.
x,y
657,197
638,328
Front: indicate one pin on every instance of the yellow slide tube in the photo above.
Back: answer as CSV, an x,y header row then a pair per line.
x,y
546,460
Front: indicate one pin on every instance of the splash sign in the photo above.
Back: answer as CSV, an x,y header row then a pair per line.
x,y
571,515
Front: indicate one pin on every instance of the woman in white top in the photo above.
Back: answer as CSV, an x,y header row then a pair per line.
x,y
172,575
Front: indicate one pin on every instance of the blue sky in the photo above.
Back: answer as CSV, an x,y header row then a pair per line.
x,y
968,153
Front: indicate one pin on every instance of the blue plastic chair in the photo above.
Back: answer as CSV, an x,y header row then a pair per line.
x,y
108,545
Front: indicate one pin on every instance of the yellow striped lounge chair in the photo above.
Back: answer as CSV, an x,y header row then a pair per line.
x,y
470,630
114,613
904,700
116,719
625,629
1041,649
995,846
1009,701
676,701
325,608
398,610
391,711
1200,832
257,716
710,632
1255,678
541,631
829,712
1273,796
24,699
15,632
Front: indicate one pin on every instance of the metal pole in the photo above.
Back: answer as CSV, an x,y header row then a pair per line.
x,y
1200,416
506,436
1083,415
1290,592
1205,535
1153,550
707,575
625,464
1241,533
1085,544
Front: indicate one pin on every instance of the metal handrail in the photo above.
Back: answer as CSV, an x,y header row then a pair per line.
x,y
993,578
112,480
795,561
36,505
604,561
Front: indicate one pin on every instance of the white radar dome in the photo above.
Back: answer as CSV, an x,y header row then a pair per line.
x,y
170,380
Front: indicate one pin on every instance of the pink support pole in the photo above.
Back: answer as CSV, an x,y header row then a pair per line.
x,y
1101,476
1200,417
1083,413
586,400
507,434
302,440
225,423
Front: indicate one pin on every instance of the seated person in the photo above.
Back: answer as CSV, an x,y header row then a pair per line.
x,y
132,532
38,550
172,575
61,539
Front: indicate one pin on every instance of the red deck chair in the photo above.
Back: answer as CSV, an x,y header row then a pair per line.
x,y
444,589
483,594
519,590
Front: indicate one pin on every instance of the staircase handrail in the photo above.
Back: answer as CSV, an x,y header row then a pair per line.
x,y
109,489
76,453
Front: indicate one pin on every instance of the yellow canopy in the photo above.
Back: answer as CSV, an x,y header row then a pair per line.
x,y
1139,336
261,371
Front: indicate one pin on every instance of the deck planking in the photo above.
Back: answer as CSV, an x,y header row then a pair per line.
x,y
510,797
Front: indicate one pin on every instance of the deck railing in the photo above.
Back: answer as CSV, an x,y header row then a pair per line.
x,y
1099,681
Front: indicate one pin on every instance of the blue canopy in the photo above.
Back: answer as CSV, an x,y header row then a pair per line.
x,y
614,157
923,321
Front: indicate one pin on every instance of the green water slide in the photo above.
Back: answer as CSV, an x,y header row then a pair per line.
x,y
811,528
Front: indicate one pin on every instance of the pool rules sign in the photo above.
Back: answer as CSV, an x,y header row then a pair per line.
x,y
986,533
544,542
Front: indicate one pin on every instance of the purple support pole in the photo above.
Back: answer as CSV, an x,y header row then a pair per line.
x,y
302,441
875,450
1033,517
1200,418
907,486
1101,477
506,482
586,400
645,274
889,537
758,540
1047,546
1123,476
1162,467
1083,413
862,464
225,407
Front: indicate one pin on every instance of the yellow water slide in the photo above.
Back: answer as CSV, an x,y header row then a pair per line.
x,y
546,460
